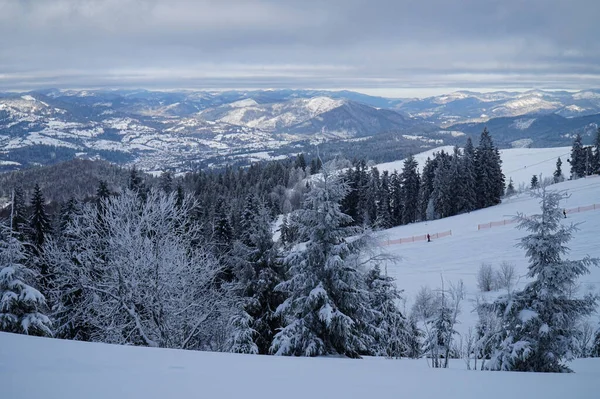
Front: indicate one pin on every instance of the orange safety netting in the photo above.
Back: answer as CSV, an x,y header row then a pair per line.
x,y
417,238
489,225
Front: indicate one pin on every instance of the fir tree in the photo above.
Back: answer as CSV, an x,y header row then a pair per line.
x,y
596,162
19,220
384,211
578,159
396,198
300,162
510,189
534,182
489,176
469,181
327,309
393,337
410,190
40,230
558,175
539,323
21,305
257,271
425,201
166,182
443,193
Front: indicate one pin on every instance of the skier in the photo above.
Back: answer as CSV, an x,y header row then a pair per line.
x,y
428,238
565,213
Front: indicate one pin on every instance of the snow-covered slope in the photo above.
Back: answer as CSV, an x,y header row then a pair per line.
x,y
460,255
53,369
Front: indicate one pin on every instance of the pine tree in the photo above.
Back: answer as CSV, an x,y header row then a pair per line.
x,y
443,193
410,190
558,175
19,219
596,163
40,229
384,210
489,176
327,309
425,201
578,159
136,184
396,198
300,162
540,322
21,305
166,182
469,181
257,271
510,189
534,182
394,335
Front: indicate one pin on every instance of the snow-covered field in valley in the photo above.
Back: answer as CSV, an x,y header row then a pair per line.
x,y
54,369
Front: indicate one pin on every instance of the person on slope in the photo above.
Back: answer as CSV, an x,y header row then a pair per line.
x,y
565,213
428,238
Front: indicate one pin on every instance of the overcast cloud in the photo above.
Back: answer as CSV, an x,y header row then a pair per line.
x,y
359,44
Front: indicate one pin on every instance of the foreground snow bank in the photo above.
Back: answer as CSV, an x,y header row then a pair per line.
x,y
47,368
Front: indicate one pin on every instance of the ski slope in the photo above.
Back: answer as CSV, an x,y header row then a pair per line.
x,y
46,368
520,164
460,255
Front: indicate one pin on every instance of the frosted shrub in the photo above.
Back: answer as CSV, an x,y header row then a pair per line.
x,y
486,279
506,277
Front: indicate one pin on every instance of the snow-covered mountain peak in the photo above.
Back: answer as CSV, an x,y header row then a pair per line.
x,y
247,102
318,105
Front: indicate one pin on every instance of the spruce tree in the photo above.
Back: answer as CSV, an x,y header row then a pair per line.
x,y
578,159
384,211
443,193
489,176
397,198
534,182
19,219
411,183
166,182
327,309
510,189
469,181
539,323
558,175
257,271
40,230
596,162
21,305
393,337
425,201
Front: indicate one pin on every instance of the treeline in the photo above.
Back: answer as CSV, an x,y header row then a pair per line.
x,y
585,160
449,184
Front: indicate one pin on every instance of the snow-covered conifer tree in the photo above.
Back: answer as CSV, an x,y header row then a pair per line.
x,y
411,183
21,305
540,322
393,335
257,271
327,310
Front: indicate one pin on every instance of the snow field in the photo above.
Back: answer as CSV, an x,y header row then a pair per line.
x,y
460,255
33,367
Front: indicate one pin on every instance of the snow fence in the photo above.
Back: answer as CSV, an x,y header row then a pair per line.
x,y
489,225
423,237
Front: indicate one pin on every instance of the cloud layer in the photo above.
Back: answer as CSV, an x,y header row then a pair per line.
x,y
308,43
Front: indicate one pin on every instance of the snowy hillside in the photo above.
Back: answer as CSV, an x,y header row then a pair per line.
x,y
74,370
460,255
520,164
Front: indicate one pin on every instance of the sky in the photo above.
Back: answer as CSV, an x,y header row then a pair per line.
x,y
389,47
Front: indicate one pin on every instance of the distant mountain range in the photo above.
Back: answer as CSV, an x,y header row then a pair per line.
x,y
187,129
